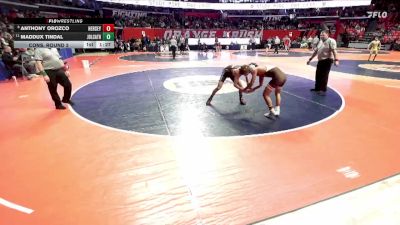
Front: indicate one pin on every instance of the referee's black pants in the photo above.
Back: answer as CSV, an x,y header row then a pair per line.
x,y
276,49
322,74
173,49
58,77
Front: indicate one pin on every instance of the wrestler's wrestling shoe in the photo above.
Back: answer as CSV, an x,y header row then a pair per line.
x,y
208,103
277,111
270,115
242,101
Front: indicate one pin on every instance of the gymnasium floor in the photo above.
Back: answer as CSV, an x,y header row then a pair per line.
x,y
141,147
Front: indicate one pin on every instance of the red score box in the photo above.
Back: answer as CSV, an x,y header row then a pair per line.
x,y
108,27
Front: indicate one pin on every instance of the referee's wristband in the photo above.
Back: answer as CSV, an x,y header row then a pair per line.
x,y
43,73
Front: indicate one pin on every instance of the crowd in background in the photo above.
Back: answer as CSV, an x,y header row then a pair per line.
x,y
177,19
388,29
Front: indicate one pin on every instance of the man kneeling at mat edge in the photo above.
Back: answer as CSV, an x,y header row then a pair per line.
x,y
234,73
277,82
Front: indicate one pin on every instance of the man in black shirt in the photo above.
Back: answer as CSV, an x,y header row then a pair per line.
x,y
13,63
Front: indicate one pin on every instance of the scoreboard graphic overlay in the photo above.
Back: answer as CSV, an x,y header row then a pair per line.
x,y
64,33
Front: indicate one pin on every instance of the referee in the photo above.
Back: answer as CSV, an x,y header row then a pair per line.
x,y
326,51
51,67
174,45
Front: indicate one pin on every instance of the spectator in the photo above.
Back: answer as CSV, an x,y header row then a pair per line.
x,y
286,42
28,61
127,47
199,44
182,45
14,64
304,43
315,42
268,45
277,43
252,43
309,41
173,46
